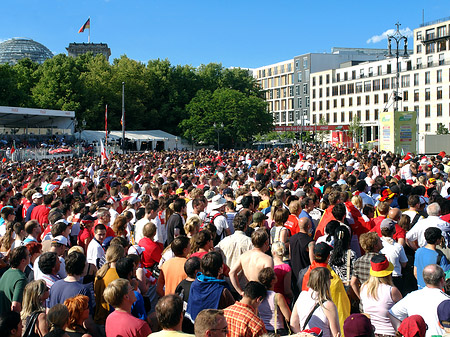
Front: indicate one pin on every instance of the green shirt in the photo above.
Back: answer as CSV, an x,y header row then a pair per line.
x,y
12,284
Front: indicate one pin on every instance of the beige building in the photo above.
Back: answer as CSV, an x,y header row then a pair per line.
x,y
364,90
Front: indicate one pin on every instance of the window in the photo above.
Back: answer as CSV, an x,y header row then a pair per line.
x,y
350,88
289,67
419,36
358,87
338,77
320,106
275,70
297,115
361,73
416,79
427,94
282,69
375,114
429,34
385,98
405,97
441,45
305,88
320,92
335,103
370,72
307,102
367,115
358,100
327,119
441,31
367,86
439,76
350,101
439,110
427,127
271,94
376,85
305,62
416,95
296,65
353,74
328,91
270,71
328,104
314,106
306,74
335,90
291,116
320,80
430,61
419,48
314,81
299,76
408,65
427,110
367,99
314,118
297,90
278,93
375,99
441,59
358,114
388,69
439,92
405,81
416,108
342,117
345,76
342,102
314,93
291,91
328,79
350,116
419,63
431,48
385,83
427,77
299,102
335,117
342,89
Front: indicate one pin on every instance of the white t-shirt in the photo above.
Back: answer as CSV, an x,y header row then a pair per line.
x,y
38,273
95,253
139,228
220,222
421,302
395,253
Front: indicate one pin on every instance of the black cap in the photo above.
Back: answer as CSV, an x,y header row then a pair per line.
x,y
322,249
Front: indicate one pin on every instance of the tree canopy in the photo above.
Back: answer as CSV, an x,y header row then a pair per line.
x,y
179,99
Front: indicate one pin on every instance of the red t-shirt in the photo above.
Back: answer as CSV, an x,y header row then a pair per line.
x,y
82,236
152,253
400,233
121,323
292,224
40,213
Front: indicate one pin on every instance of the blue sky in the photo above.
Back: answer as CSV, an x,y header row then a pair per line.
x,y
244,33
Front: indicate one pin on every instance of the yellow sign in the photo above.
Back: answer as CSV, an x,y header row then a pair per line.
x,y
398,131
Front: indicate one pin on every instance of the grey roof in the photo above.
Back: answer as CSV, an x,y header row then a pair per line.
x,y
15,49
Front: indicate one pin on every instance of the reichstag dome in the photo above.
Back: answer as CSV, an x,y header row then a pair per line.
x,y
15,49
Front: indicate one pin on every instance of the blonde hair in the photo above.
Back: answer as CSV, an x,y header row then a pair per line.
x,y
357,201
78,249
115,291
319,282
192,225
113,254
32,298
278,248
371,285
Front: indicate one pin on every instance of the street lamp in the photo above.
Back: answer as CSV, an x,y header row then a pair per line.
x,y
176,143
397,37
218,128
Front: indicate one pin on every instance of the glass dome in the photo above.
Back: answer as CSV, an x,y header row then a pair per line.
x,y
15,49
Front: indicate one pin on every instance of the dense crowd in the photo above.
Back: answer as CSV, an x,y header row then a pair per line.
x,y
312,241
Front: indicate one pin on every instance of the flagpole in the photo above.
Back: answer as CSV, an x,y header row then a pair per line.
x,y
106,125
123,117
89,36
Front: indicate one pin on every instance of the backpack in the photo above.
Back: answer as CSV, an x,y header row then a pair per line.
x,y
209,219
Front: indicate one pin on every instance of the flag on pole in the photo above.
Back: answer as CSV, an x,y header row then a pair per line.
x,y
13,149
121,120
103,152
87,25
403,153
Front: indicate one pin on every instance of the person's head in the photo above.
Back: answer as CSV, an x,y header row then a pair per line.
x,y
203,240
319,281
358,325
267,277
339,211
181,246
169,311
192,225
210,323
100,232
192,266
280,217
395,214
125,267
255,292
433,276
78,307
119,293
434,209
322,252
49,263
179,204
10,324
149,230
387,227
413,325
75,263
32,228
260,238
211,264
278,249
240,222
58,316
433,235
19,256
370,242
443,312
34,294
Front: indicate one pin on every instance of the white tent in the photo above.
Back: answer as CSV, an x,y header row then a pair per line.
x,y
170,141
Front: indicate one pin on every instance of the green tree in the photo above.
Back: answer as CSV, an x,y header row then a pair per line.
x,y
355,129
242,116
321,135
27,78
9,93
441,130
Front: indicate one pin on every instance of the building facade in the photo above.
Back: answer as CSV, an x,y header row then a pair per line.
x,y
363,91
76,49
287,83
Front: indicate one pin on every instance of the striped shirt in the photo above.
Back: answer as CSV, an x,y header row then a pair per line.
x,y
243,321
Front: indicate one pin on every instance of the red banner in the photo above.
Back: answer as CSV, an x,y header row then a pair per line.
x,y
298,128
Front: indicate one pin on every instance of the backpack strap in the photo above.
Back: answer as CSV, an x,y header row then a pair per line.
x,y
416,218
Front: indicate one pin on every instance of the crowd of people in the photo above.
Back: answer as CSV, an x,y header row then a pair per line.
x,y
311,241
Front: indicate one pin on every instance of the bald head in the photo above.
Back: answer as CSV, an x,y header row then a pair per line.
x,y
433,276
395,214
304,224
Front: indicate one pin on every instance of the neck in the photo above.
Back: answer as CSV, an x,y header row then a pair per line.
x,y
73,278
430,246
124,308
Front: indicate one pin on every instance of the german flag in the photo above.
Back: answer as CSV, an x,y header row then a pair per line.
x,y
85,26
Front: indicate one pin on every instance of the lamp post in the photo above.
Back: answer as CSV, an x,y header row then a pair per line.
x,y
176,143
218,128
397,37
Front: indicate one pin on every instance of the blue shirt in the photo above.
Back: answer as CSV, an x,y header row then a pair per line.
x,y
425,256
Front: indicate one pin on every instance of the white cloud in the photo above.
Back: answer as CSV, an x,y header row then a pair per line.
x,y
383,36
